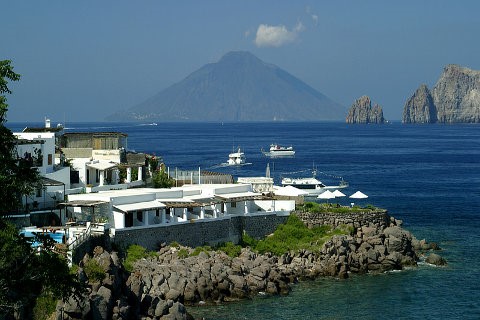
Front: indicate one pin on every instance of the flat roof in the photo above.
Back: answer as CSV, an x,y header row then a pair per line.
x,y
145,205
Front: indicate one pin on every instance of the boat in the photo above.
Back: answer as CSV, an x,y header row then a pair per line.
x,y
312,185
236,158
277,150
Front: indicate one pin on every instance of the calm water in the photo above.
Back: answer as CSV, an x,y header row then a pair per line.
x,y
428,176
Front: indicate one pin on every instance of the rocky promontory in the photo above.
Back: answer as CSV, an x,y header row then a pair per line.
x,y
160,286
455,98
362,112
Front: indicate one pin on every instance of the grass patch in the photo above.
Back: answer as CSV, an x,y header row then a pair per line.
x,y
293,236
314,207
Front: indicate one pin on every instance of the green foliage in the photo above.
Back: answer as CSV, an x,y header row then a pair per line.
x,y
17,176
175,244
44,306
182,253
314,207
161,179
293,235
248,241
94,271
230,249
197,250
135,253
25,273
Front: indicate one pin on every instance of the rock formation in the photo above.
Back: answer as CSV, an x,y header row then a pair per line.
x,y
420,107
160,286
455,98
362,112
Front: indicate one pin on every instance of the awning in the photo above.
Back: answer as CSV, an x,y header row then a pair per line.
x,y
102,165
83,203
239,196
139,206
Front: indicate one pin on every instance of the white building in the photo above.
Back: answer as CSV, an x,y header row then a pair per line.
x,y
38,146
147,206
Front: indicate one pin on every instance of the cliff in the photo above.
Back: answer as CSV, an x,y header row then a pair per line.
x,y
455,98
362,112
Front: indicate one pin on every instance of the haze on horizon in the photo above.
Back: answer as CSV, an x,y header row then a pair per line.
x,y
81,61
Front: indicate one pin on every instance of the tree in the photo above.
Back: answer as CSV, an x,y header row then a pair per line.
x,y
25,272
17,176
161,179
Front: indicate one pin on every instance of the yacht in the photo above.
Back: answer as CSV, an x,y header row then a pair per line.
x,y
277,150
312,185
236,158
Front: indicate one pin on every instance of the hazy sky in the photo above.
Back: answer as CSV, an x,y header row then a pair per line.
x,y
83,60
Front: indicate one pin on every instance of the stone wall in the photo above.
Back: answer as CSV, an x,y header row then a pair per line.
x,y
378,218
199,233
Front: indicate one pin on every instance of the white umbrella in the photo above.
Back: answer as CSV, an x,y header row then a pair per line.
x,y
358,195
288,191
326,195
338,194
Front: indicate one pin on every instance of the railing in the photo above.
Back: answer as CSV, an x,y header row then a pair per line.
x,y
80,238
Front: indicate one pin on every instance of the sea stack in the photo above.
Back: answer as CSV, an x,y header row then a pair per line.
x,y
455,98
362,112
420,107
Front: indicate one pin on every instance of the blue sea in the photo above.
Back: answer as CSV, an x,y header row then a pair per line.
x,y
426,175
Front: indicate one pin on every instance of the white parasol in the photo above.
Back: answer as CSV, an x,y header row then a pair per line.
x,y
358,195
326,195
338,194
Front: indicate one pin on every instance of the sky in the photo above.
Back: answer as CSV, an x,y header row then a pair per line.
x,y
84,60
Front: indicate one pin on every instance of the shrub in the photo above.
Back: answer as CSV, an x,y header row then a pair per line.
x,y
44,306
94,270
182,253
197,250
135,253
230,249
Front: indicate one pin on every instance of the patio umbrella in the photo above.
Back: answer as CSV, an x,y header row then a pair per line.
x,y
338,194
288,191
358,195
326,195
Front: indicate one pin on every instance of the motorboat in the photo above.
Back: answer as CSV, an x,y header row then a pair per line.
x,y
312,185
236,158
277,150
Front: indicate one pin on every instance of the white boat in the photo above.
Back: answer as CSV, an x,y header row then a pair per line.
x,y
277,150
312,185
236,158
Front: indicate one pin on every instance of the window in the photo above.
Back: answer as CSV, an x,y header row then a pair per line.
x,y
140,216
50,159
38,192
233,204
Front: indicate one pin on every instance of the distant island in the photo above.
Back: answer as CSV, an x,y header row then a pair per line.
x,y
454,99
239,87
362,112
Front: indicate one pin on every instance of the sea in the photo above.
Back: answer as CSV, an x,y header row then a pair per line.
x,y
426,175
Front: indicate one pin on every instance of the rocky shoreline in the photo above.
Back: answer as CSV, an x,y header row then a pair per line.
x,y
161,286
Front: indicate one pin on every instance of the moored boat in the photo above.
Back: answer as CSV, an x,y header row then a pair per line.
x,y
236,158
312,185
277,150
